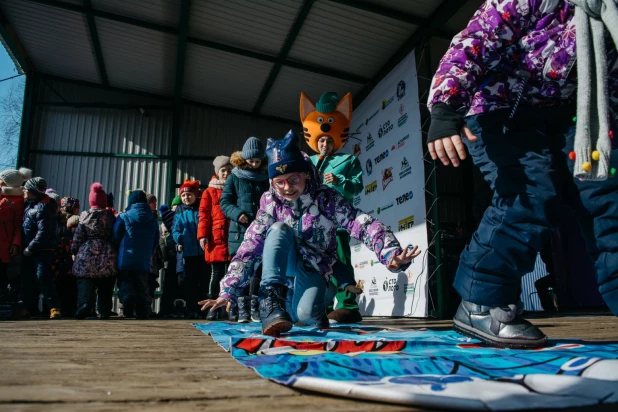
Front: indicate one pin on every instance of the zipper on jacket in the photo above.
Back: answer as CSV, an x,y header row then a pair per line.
x,y
523,77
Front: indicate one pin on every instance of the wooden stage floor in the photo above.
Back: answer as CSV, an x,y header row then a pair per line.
x,y
167,365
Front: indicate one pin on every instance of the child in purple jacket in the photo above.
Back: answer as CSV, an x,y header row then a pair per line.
x,y
507,86
294,237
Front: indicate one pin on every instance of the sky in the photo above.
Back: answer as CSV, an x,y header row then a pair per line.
x,y
7,69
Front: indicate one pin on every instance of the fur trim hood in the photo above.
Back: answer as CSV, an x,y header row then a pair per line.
x,y
238,161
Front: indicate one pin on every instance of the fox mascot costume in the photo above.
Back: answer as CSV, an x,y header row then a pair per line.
x,y
326,128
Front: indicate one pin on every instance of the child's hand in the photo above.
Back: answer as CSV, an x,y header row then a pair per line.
x,y
243,219
15,249
450,148
214,304
27,252
331,178
203,243
404,258
353,289
179,248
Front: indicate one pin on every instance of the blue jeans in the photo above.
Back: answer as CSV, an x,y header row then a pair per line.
x,y
282,264
531,177
37,269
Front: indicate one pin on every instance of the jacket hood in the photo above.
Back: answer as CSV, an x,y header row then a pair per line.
x,y
238,161
92,218
140,212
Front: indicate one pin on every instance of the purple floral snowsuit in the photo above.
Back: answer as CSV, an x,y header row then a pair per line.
x,y
323,210
482,69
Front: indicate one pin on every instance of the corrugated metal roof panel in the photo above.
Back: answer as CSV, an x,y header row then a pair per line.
x,y
222,78
57,41
421,8
73,175
102,131
165,12
138,58
283,99
260,25
209,132
349,39
460,20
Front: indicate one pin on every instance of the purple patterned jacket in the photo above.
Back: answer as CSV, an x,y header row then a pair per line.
x,y
481,71
323,210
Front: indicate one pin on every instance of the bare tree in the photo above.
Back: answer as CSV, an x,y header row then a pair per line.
x,y
11,106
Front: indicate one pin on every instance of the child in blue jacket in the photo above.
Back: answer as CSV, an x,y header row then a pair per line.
x,y
136,234
197,273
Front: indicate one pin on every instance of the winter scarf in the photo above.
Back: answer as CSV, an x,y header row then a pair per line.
x,y
592,140
216,183
253,175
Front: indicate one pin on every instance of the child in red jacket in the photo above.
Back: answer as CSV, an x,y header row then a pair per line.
x,y
10,239
213,228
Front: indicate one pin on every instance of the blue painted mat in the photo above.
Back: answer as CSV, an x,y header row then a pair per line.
x,y
427,368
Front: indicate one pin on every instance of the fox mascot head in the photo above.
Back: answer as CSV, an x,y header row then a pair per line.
x,y
329,117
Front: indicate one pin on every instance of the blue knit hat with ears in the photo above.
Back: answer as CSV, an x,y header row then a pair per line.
x,y
284,156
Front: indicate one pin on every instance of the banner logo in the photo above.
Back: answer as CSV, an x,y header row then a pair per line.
x,y
387,177
371,117
381,157
357,150
386,103
370,142
371,187
384,129
369,167
401,90
404,198
406,169
410,287
401,109
373,288
405,223
385,207
402,120
357,200
390,285
402,142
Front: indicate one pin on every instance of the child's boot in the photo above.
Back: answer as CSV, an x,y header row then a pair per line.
x,y
83,311
255,309
272,310
498,326
244,313
54,313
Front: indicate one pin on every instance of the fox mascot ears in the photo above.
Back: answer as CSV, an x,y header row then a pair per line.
x,y
330,117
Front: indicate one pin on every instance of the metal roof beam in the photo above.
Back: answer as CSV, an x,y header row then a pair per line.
x,y
287,46
181,54
96,45
393,14
206,43
443,13
16,49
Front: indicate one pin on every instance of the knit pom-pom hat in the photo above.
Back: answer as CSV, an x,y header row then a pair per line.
x,y
97,197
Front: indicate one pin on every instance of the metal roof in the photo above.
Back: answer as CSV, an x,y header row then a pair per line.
x,y
251,55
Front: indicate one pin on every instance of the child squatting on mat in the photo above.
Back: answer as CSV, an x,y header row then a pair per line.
x,y
294,239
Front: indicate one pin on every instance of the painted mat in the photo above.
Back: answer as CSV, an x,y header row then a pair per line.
x,y
439,369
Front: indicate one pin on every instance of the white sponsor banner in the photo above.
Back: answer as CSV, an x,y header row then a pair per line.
x,y
386,139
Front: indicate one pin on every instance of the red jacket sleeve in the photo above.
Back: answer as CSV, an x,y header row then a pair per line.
x,y
204,225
